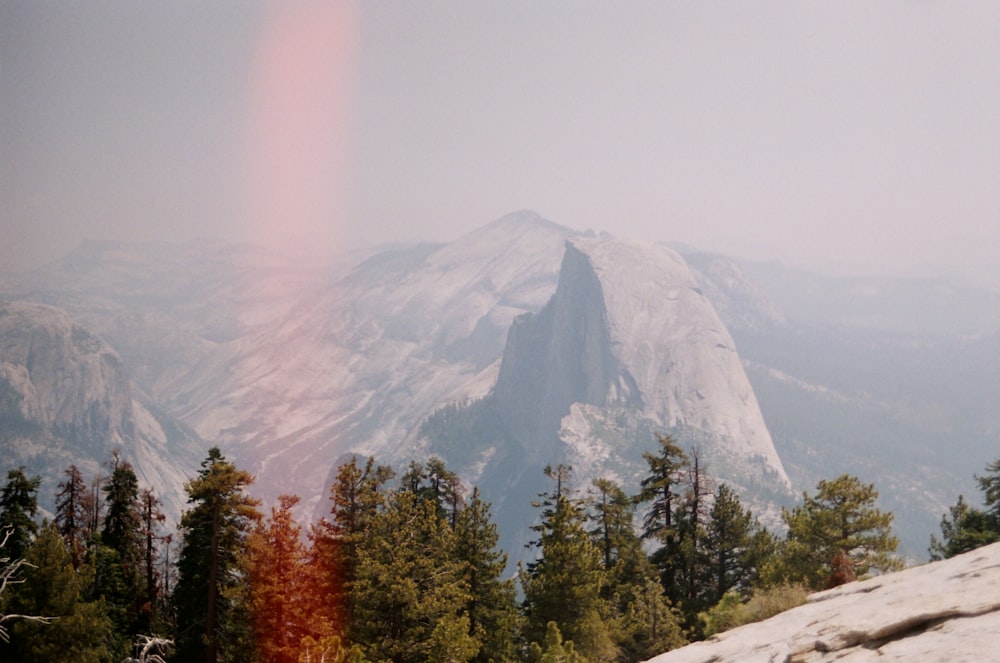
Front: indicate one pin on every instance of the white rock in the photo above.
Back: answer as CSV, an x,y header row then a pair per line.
x,y
943,611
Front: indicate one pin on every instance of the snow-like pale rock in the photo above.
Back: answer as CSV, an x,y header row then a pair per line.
x,y
943,611
68,400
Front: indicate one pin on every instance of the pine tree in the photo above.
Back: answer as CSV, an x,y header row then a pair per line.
x,y
71,514
406,581
18,506
966,529
491,608
736,546
357,494
564,585
53,588
120,564
660,489
841,516
275,563
214,530
152,517
990,486
689,560
641,619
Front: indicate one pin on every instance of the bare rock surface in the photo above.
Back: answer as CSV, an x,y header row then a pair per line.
x,y
943,611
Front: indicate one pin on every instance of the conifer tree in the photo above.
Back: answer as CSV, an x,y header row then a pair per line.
x,y
493,619
118,560
71,513
275,564
152,517
841,516
18,506
642,622
406,581
357,494
968,527
214,530
564,585
963,528
736,546
78,630
660,489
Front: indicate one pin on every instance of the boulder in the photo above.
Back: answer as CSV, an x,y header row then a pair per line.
x,y
942,611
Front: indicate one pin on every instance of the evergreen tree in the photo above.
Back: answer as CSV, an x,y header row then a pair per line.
x,y
564,585
660,489
214,530
736,546
406,581
491,608
647,625
612,514
357,495
689,561
990,485
966,529
120,565
71,514
840,517
79,629
152,518
553,649
276,560
18,506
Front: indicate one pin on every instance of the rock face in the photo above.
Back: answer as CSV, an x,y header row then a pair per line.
x,y
943,611
628,335
66,398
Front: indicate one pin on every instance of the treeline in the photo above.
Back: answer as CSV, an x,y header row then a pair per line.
x,y
406,567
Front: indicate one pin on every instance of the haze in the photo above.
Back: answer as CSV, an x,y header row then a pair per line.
x,y
849,137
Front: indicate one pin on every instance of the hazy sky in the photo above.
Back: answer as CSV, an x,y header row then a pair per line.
x,y
859,136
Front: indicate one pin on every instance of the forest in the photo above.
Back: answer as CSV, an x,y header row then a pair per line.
x,y
406,566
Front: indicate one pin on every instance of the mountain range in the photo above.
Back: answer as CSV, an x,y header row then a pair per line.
x,y
521,344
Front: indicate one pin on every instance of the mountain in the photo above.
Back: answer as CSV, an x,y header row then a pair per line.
x,y
66,398
943,611
524,343
853,376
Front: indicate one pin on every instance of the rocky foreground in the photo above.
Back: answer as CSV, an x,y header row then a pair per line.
x,y
943,611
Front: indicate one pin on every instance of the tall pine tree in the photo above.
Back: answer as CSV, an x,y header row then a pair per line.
x,y
214,529
564,584
18,506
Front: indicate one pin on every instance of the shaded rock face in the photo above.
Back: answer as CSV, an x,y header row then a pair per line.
x,y
943,611
629,335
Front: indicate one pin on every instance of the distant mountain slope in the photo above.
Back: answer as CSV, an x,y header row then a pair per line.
x,y
395,351
66,398
844,387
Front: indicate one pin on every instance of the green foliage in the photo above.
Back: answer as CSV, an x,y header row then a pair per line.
x,y
450,641
406,581
734,610
329,649
215,528
841,517
18,506
53,588
493,617
646,625
553,649
969,528
118,557
564,585
71,513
